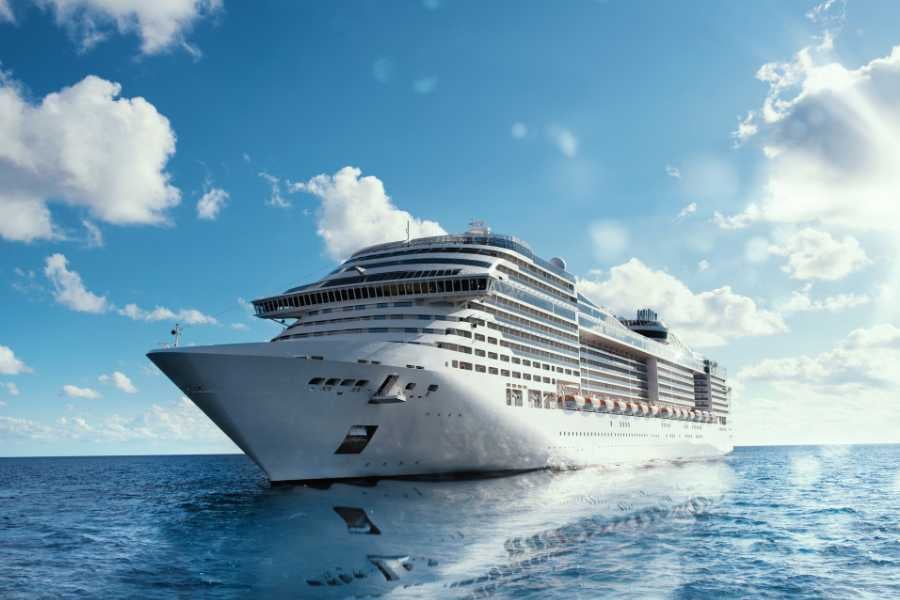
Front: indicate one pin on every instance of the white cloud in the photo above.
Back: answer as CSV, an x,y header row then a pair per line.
x,y
120,380
425,85
11,388
673,172
68,288
190,316
10,364
814,254
739,221
82,146
688,210
211,203
6,13
802,301
746,129
867,358
355,211
703,265
239,326
160,24
519,130
13,428
73,391
275,198
609,239
175,421
832,139
247,306
564,139
708,318
94,237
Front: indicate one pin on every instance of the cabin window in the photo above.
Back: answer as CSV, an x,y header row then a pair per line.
x,y
479,368
493,370
504,358
479,337
410,386
332,381
504,373
492,355
316,381
361,382
479,352
348,382
455,364
492,340
465,366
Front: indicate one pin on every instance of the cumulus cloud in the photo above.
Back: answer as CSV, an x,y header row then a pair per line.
x,y
355,211
673,172
211,203
708,318
13,428
703,265
190,316
11,388
83,146
120,380
160,25
814,254
564,139
70,291
68,288
802,301
865,359
10,364
73,391
688,210
831,135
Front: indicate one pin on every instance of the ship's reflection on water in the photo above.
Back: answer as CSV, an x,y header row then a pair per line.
x,y
465,538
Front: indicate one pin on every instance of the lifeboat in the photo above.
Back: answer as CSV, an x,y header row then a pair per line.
x,y
682,413
587,405
604,405
665,412
618,406
654,411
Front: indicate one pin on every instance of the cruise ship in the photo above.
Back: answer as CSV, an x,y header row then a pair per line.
x,y
454,355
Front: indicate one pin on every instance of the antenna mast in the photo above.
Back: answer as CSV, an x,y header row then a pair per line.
x,y
176,333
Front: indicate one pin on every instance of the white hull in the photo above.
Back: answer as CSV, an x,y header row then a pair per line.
x,y
259,395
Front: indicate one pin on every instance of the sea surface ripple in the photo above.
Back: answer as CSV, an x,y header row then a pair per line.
x,y
777,522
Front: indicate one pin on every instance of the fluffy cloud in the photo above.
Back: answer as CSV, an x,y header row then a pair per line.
x,y
83,146
70,291
865,359
120,380
673,172
832,139
211,203
703,265
564,139
190,316
11,388
814,254
703,319
13,428
94,237
68,288
73,391
355,211
801,301
688,210
160,24
10,364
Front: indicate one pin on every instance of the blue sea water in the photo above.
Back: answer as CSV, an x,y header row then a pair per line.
x,y
778,522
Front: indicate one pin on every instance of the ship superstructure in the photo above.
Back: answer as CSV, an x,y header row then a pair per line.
x,y
454,354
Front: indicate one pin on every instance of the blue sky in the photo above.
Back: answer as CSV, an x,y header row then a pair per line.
x,y
729,164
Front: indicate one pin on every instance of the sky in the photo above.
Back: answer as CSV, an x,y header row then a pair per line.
x,y
734,166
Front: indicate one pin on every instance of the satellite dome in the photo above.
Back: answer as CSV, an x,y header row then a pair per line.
x,y
558,262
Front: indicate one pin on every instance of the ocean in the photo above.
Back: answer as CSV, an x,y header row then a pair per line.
x,y
774,522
